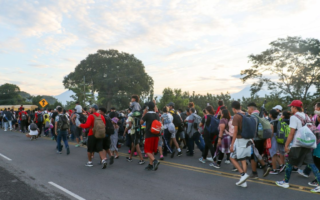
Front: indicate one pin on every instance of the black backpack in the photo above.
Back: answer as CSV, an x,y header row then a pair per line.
x,y
63,123
109,126
40,117
82,118
177,121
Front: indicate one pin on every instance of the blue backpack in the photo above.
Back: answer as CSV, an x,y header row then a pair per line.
x,y
213,128
249,126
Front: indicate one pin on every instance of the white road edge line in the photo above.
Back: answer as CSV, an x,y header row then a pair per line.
x,y
5,157
67,191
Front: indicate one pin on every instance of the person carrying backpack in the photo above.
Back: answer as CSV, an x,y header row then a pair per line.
x,y
38,119
166,120
259,141
244,129
281,131
211,124
78,118
23,117
109,132
316,152
97,132
178,123
152,135
62,125
194,121
298,154
224,139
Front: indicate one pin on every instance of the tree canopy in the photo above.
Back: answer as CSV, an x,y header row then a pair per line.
x,y
10,94
295,62
114,75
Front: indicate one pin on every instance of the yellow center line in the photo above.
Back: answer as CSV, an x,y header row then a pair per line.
x,y
229,175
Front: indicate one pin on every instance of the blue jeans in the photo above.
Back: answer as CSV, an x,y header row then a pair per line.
x,y
62,135
310,167
198,139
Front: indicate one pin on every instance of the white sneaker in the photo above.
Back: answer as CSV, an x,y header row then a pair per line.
x,y
89,164
244,185
300,171
243,179
209,159
227,162
282,184
316,190
202,160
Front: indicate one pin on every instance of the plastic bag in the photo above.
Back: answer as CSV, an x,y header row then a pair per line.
x,y
305,138
171,128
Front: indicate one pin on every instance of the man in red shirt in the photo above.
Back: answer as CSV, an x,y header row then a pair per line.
x,y
94,144
23,117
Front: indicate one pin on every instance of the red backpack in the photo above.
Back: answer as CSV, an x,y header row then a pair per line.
x,y
156,127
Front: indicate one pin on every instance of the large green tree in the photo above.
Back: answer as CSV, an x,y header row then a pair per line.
x,y
114,75
294,61
10,95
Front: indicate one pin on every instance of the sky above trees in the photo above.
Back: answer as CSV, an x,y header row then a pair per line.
x,y
194,45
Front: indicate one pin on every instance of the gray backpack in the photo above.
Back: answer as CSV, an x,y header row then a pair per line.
x,y
33,127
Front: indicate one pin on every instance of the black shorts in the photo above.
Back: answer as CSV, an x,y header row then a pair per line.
x,y
77,132
135,138
106,143
299,156
94,144
259,144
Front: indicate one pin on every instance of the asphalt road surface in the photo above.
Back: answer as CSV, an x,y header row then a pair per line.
x,y
33,170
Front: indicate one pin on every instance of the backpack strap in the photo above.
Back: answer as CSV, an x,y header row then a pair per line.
x,y
303,121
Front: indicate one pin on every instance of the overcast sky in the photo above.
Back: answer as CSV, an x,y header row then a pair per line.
x,y
196,45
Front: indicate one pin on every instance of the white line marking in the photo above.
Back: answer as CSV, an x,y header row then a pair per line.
x,y
67,191
5,157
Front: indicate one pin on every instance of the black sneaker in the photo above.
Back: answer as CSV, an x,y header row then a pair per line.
x,y
129,159
189,154
184,147
68,151
149,168
104,164
155,165
179,154
161,158
295,169
173,153
111,160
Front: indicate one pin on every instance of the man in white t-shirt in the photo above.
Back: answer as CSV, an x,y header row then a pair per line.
x,y
298,155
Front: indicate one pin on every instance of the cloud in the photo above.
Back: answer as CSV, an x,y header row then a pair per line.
x,y
201,41
38,65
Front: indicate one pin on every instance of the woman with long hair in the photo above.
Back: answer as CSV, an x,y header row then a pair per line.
x,y
224,140
208,137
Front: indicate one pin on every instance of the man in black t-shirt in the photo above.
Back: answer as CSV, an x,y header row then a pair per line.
x,y
151,140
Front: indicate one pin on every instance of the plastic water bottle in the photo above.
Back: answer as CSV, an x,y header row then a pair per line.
x,y
260,127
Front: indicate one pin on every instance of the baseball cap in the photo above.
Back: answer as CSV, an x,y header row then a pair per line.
x,y
296,103
94,106
170,104
277,107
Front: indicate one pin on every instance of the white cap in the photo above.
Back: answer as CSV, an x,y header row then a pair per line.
x,y
278,107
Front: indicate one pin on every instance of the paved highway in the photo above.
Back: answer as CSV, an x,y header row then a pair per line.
x,y
33,170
